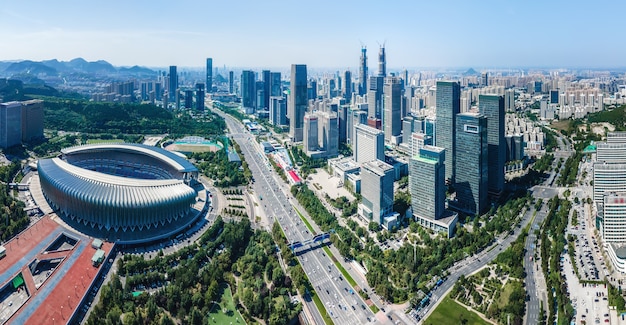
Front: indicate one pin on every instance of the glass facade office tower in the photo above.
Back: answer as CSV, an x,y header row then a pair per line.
x,y
376,190
10,124
427,182
472,150
448,104
310,128
369,144
298,101
275,84
278,110
266,78
173,86
200,96
231,82
375,97
259,86
392,108
209,75
363,72
346,87
492,107
248,91
32,120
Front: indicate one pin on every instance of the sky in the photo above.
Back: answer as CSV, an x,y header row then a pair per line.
x,y
481,34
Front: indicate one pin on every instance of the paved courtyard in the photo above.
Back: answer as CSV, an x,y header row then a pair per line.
x,y
329,184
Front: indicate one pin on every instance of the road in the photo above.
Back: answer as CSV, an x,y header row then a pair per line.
x,y
545,192
474,263
334,291
531,268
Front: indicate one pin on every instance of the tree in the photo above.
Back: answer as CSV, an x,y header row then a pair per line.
x,y
373,226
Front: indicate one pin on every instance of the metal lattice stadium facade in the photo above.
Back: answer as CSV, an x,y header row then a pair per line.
x,y
120,188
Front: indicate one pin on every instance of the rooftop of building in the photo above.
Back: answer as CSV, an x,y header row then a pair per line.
x,y
344,163
378,167
174,160
58,166
368,128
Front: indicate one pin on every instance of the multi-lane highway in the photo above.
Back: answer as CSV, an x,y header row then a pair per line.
x,y
342,303
530,266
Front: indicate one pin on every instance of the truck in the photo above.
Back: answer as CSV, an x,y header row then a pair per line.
x,y
3,251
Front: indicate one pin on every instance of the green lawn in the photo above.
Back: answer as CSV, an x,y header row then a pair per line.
x,y
322,309
343,271
449,312
306,222
506,293
232,315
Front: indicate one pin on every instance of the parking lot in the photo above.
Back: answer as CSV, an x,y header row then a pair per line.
x,y
591,267
589,300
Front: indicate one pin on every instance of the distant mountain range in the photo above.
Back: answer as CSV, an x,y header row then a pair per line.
x,y
75,66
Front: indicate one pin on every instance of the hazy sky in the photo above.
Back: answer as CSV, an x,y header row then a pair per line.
x,y
319,33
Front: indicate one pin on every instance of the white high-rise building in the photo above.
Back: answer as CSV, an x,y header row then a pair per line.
x,y
376,190
369,144
418,141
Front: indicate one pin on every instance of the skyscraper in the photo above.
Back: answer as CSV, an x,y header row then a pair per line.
x,y
471,180
448,104
32,120
356,116
173,86
259,87
275,84
248,91
189,98
613,215
310,129
10,124
392,107
231,82
278,110
266,77
342,117
321,135
346,88
209,75
328,133
492,107
427,183
376,191
375,97
363,72
200,96
509,100
369,144
382,62
298,101
484,79
418,141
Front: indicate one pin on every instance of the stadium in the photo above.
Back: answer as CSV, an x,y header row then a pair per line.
x,y
121,191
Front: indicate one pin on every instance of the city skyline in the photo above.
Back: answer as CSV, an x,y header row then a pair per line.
x,y
275,34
